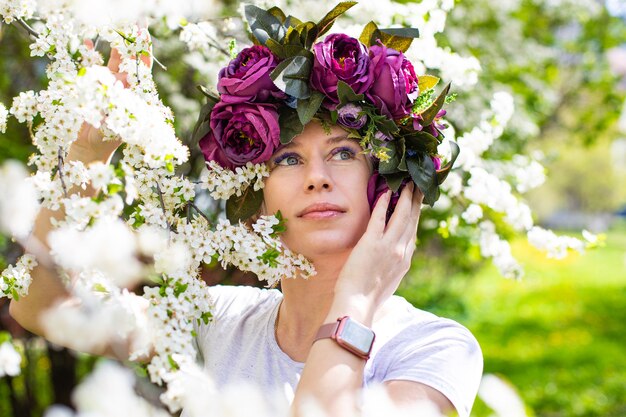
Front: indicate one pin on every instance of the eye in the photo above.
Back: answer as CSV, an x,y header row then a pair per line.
x,y
286,159
343,154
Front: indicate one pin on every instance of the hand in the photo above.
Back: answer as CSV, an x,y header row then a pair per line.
x,y
383,255
89,145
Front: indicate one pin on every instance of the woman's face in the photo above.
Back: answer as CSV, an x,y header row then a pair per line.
x,y
319,183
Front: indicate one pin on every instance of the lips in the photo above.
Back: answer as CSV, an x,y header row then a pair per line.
x,y
321,210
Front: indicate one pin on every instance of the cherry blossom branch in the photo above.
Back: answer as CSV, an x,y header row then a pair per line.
x,y
60,169
190,204
32,32
160,193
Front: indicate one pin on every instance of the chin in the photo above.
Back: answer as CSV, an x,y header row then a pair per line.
x,y
316,243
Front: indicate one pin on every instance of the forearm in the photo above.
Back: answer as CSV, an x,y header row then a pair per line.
x,y
46,288
333,376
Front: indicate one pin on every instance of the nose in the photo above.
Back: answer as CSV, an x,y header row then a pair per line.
x,y
318,177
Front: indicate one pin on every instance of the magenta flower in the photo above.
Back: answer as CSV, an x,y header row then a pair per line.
x,y
437,162
432,128
241,133
340,57
395,85
248,76
348,116
377,186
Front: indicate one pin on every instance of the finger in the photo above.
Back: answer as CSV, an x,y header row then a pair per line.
x,y
88,43
410,231
397,223
114,60
114,66
376,225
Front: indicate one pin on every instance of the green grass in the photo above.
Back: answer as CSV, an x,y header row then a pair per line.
x,y
558,335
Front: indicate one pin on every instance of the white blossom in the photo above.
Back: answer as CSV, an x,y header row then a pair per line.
x,y
472,214
10,360
24,107
109,391
19,205
11,10
4,114
173,260
15,280
556,247
198,36
501,397
492,246
222,183
107,246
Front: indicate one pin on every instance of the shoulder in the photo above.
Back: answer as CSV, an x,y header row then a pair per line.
x,y
231,300
419,346
404,323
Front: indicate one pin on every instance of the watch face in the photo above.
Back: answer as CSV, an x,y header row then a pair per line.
x,y
357,335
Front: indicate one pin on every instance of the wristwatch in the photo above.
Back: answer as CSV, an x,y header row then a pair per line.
x,y
350,335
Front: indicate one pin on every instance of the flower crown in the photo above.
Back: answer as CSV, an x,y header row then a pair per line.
x,y
270,91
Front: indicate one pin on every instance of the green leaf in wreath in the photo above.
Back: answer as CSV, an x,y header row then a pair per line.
x,y
399,39
278,14
402,32
427,82
327,21
394,180
422,170
292,76
208,93
292,21
308,34
370,34
346,94
289,123
292,37
263,24
422,142
244,206
202,127
308,107
443,172
277,48
430,113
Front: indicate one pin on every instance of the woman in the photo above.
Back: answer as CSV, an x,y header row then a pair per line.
x,y
319,183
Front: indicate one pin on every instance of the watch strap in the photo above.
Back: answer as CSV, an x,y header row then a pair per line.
x,y
328,330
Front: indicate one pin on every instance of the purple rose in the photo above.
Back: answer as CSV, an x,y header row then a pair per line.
x,y
395,84
248,76
377,186
348,116
241,133
340,57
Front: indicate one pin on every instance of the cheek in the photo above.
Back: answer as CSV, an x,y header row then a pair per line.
x,y
276,192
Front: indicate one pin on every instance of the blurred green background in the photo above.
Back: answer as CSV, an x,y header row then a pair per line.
x,y
558,335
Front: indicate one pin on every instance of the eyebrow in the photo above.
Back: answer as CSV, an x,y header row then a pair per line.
x,y
331,140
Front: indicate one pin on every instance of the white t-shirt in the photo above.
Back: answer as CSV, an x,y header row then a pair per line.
x,y
411,344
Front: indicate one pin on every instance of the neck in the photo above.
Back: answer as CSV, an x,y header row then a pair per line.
x,y
306,304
